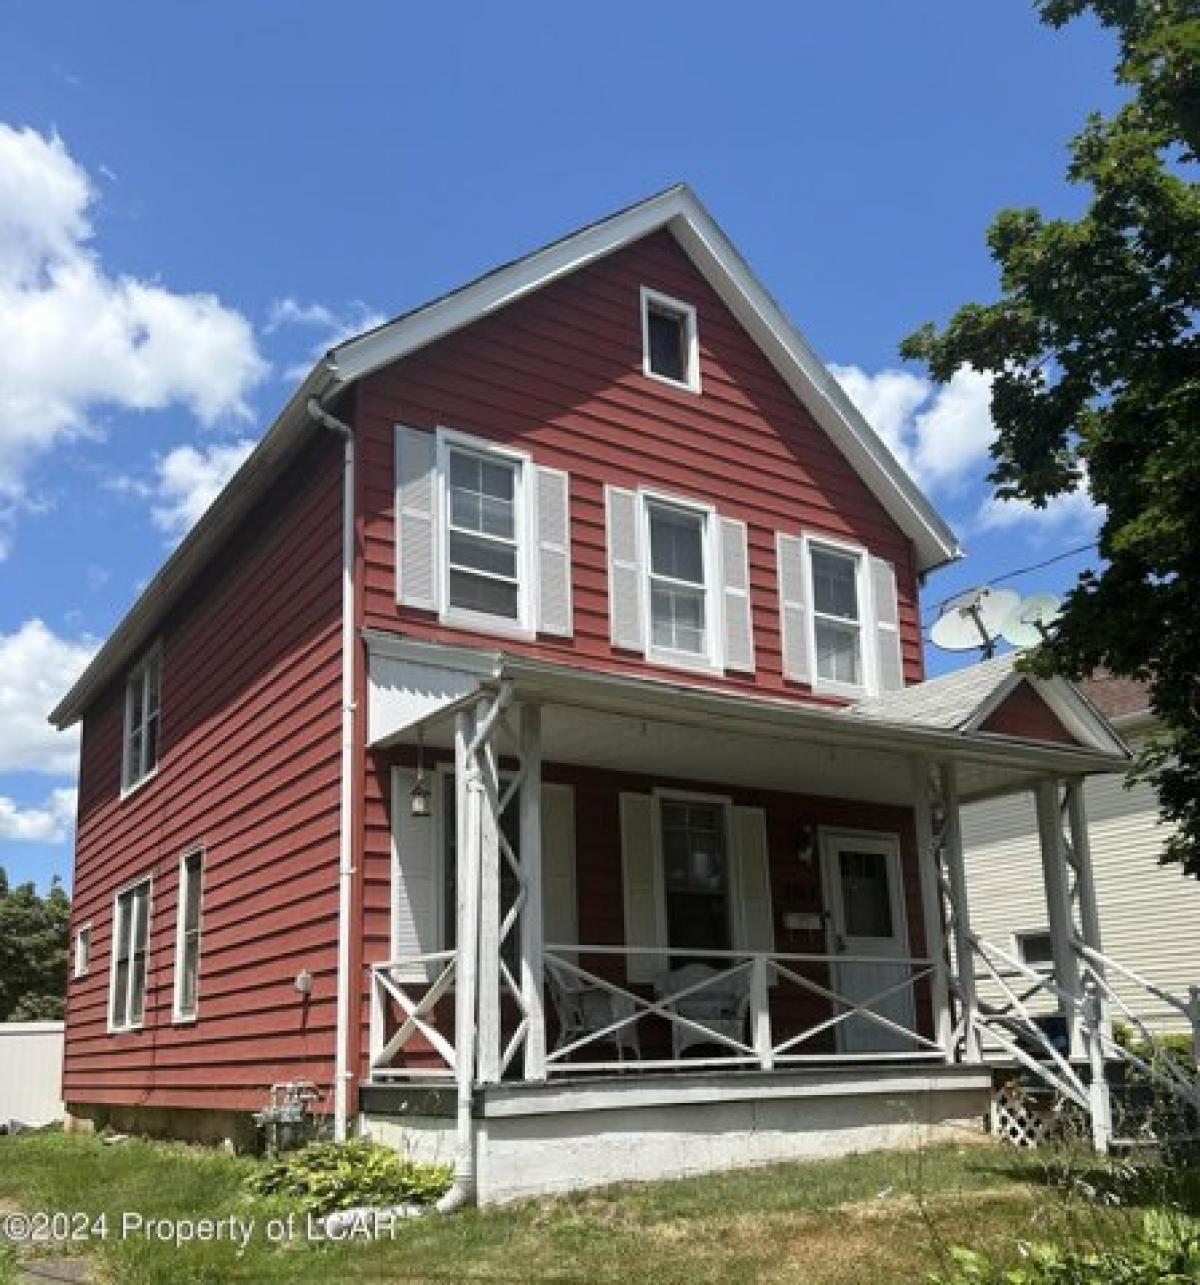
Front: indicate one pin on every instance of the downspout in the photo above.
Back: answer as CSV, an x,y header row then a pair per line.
x,y
342,1072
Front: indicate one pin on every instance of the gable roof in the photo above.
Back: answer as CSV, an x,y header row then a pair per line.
x,y
678,211
964,700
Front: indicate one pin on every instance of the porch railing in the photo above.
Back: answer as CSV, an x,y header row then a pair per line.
x,y
747,1009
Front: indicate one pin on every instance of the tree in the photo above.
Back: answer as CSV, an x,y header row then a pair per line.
x,y
33,951
1094,352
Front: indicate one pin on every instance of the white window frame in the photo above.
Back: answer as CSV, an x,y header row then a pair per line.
x,y
82,960
127,1025
1018,948
866,616
524,525
178,1014
711,659
139,673
655,299
661,795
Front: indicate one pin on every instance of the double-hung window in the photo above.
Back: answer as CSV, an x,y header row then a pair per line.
x,y
678,580
131,933
483,545
695,874
187,946
836,577
140,757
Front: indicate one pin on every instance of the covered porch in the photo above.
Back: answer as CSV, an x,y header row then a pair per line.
x,y
624,889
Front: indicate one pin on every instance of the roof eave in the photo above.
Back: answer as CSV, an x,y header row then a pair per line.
x,y
136,630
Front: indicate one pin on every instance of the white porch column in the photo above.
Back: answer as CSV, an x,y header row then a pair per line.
x,y
489,912
466,819
532,928
1058,908
931,906
960,914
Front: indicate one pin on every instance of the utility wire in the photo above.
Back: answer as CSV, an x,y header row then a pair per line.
x,y
1013,575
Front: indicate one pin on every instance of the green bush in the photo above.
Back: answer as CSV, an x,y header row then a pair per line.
x,y
328,1176
1166,1252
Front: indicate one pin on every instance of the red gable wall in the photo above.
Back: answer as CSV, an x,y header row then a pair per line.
x,y
561,372
248,771
1025,714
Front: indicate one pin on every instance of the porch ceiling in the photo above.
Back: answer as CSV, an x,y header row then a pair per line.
x,y
662,729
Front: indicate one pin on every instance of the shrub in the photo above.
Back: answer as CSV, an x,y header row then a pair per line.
x,y
328,1176
1166,1251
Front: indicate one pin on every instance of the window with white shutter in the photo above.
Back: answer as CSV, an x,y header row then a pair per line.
x,y
483,535
679,582
889,657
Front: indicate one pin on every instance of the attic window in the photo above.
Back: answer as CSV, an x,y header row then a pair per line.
x,y
670,346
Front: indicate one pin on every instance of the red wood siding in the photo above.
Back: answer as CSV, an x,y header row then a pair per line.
x,y
249,771
560,373
794,887
1025,714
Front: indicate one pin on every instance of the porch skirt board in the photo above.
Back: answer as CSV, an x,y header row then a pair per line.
x,y
531,1152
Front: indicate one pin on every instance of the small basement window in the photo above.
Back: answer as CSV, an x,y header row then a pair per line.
x,y
670,345
1035,949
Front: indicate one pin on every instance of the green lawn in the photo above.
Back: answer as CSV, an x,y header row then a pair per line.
x,y
875,1218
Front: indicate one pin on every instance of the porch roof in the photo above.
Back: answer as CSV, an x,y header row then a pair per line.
x,y
649,725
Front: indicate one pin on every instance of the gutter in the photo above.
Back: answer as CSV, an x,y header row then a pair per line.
x,y
342,1073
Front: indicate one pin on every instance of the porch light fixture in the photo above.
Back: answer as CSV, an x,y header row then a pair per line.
x,y
806,843
421,799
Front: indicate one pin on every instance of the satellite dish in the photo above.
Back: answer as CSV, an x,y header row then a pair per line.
x,y
1030,622
973,619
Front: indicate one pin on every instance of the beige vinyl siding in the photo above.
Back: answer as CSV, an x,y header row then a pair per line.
x,y
1149,914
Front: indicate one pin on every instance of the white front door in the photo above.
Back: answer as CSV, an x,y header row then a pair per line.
x,y
864,897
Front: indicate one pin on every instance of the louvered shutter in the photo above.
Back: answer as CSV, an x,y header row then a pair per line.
x,y
888,657
735,596
752,880
416,518
793,609
416,871
553,538
624,569
560,905
642,885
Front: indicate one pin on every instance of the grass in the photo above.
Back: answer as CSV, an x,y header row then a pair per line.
x,y
875,1218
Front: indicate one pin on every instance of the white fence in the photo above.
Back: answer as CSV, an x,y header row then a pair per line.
x,y
31,1055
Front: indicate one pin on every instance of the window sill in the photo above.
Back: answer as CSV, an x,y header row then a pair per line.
x,y
681,385
181,1019
682,660
128,791
481,624
848,691
126,1030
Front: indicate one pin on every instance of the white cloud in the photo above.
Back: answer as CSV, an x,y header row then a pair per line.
x,y
36,669
188,479
51,823
75,339
332,325
940,433
1075,513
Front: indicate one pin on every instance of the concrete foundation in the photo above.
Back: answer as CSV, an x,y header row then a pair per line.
x,y
233,1130
535,1140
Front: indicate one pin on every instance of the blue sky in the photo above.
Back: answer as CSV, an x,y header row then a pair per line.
x,y
195,200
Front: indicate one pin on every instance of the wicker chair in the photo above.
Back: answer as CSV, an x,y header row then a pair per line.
x,y
583,1008
721,1005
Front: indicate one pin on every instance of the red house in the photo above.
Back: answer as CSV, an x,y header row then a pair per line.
x,y
531,745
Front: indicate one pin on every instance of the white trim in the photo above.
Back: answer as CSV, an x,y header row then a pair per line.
x,y
711,660
686,312
866,617
132,886
178,1016
81,961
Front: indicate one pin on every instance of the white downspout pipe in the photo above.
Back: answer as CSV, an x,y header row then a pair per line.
x,y
341,1062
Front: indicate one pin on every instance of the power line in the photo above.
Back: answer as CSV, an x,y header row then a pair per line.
x,y
1020,571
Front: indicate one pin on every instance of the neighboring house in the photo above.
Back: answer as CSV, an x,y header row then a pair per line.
x,y
1149,913
530,745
